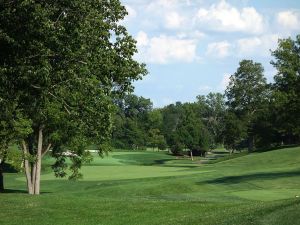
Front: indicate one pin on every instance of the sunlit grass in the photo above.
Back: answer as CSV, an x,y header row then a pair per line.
x,y
157,188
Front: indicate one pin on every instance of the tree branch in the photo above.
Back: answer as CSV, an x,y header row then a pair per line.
x,y
46,150
64,103
34,86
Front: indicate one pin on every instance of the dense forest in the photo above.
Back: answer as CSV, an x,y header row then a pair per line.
x,y
251,114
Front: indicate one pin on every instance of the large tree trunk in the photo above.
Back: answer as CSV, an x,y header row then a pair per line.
x,y
33,169
1,177
38,163
27,169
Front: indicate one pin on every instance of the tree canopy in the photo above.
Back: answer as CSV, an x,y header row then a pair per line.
x,y
246,92
286,88
61,64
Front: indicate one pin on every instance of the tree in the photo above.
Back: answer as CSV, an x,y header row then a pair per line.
x,y
286,88
130,122
234,132
212,111
61,64
246,92
156,139
170,117
191,132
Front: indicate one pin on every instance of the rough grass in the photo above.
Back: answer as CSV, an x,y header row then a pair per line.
x,y
156,188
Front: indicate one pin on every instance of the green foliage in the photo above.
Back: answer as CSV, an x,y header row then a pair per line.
x,y
156,139
286,89
247,88
246,94
234,132
212,111
137,125
61,64
190,131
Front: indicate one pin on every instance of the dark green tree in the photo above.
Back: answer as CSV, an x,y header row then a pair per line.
x,y
246,93
234,132
131,126
286,89
61,64
212,111
156,139
170,116
191,132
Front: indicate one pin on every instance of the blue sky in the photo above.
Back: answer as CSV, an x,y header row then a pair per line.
x,y
191,47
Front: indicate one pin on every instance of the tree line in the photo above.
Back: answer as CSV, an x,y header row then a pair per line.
x,y
252,113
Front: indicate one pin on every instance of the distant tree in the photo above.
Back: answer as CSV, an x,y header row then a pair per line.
x,y
286,89
131,122
135,106
61,64
170,117
234,132
154,119
213,111
156,139
246,93
191,132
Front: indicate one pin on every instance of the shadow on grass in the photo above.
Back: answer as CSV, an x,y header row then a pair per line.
x,y
250,177
275,148
7,168
142,159
17,191
13,191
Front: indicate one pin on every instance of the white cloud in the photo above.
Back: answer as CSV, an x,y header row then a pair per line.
x,y
197,34
226,18
158,5
289,20
173,20
131,13
166,49
167,13
218,49
259,45
142,39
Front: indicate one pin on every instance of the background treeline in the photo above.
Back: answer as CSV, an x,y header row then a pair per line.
x,y
250,114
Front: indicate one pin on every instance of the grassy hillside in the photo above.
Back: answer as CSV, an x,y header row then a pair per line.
x,y
155,188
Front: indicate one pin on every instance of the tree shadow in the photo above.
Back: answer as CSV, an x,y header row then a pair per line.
x,y
18,191
250,177
262,150
141,159
13,191
7,168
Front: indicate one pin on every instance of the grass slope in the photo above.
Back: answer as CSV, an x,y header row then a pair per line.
x,y
155,188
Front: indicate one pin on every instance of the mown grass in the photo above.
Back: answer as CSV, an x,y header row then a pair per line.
x,y
156,188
